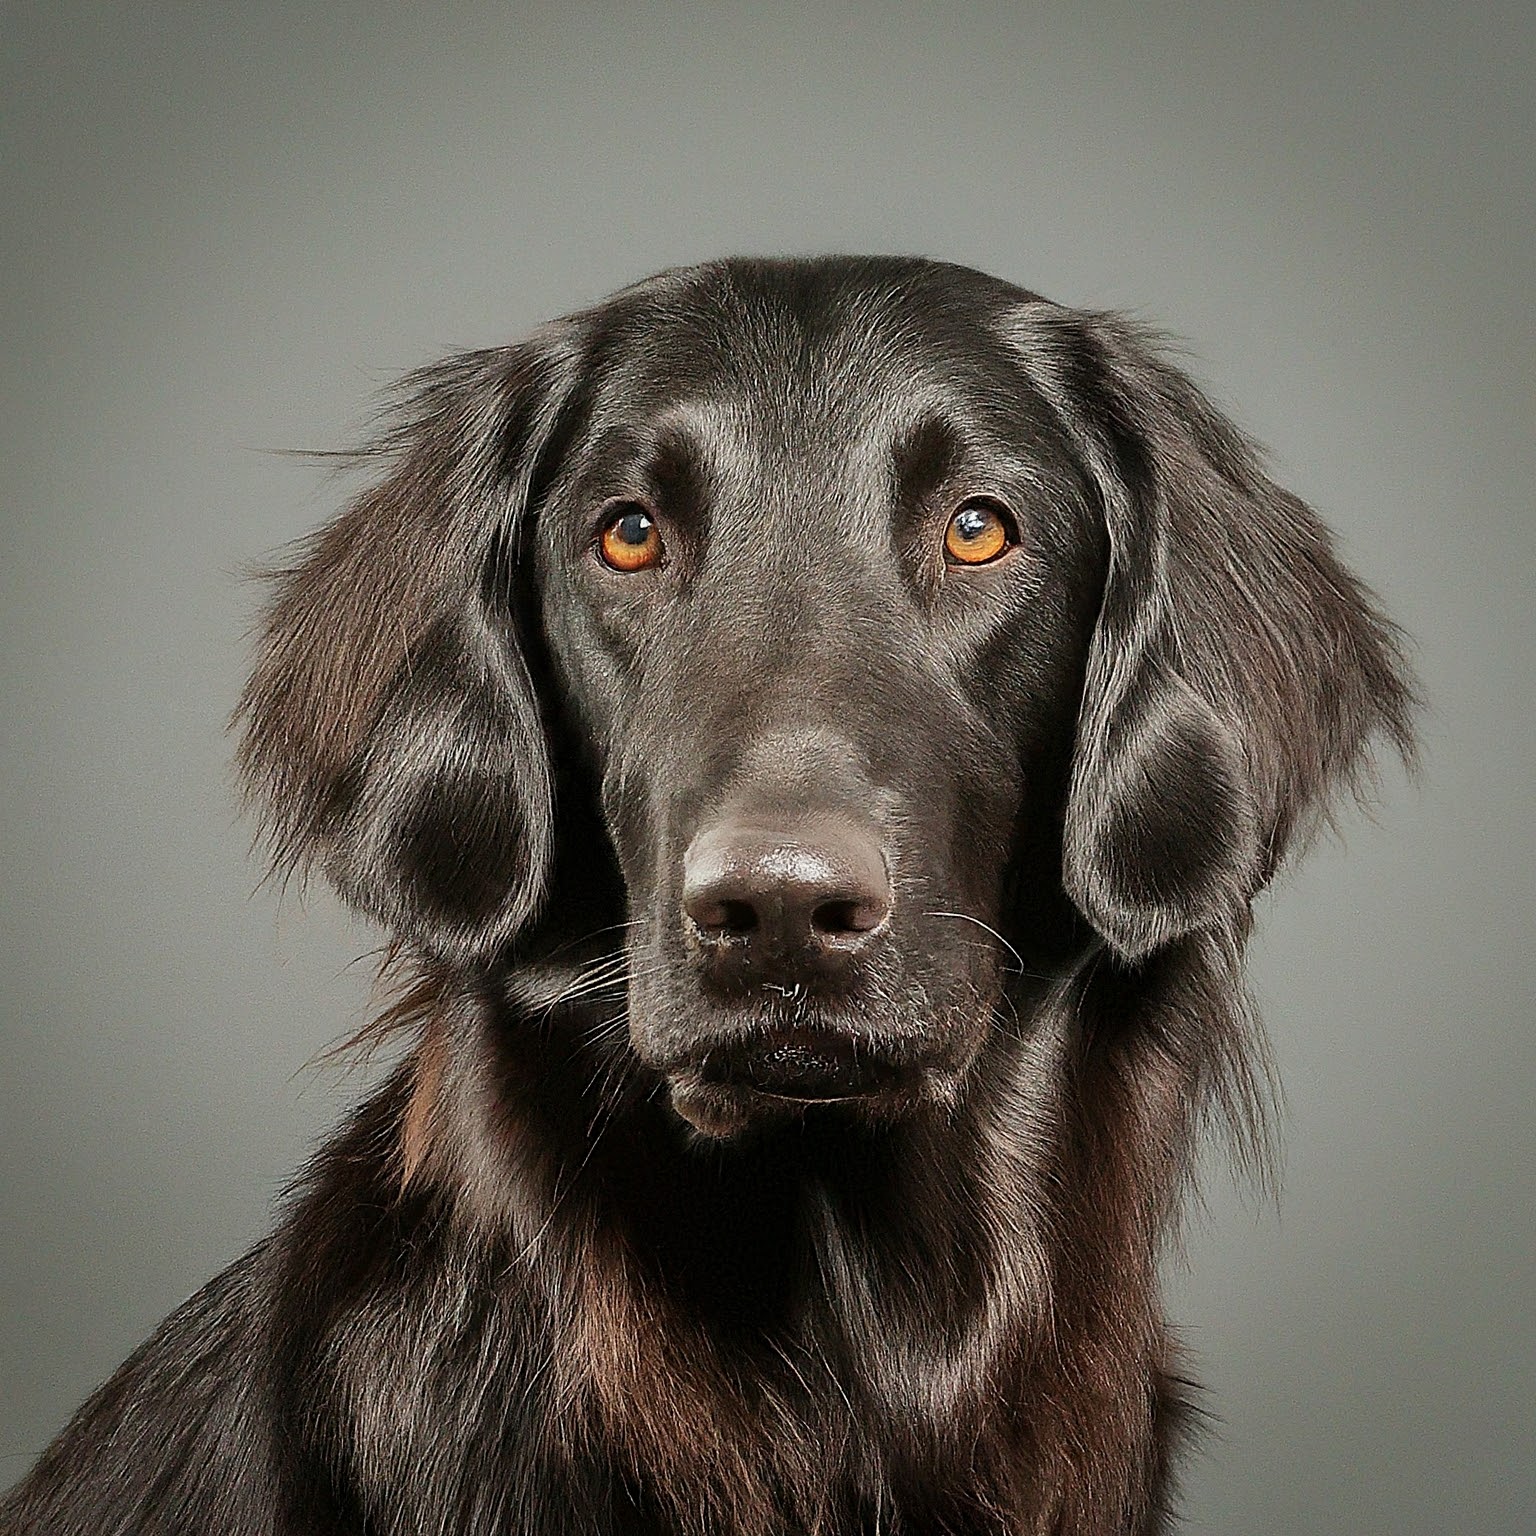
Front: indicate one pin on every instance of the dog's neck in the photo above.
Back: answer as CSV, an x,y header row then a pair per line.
x,y
649,1260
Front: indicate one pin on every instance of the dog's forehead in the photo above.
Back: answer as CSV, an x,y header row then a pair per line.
x,y
848,363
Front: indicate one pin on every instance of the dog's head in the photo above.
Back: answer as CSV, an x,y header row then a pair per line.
x,y
846,628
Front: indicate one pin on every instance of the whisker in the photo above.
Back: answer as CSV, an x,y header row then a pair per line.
x,y
593,978
586,938
965,917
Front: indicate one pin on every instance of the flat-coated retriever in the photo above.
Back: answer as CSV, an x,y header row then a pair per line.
x,y
813,730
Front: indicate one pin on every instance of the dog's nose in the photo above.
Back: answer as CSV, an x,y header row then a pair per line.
x,y
778,890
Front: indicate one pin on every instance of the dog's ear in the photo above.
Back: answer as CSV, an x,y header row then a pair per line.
x,y
1237,672
390,725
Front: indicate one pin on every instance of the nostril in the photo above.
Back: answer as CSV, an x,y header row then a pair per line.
x,y
848,917
724,918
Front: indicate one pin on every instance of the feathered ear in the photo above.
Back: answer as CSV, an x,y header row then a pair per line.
x,y
1237,673
390,724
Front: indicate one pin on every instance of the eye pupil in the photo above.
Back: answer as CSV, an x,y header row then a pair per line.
x,y
633,528
973,523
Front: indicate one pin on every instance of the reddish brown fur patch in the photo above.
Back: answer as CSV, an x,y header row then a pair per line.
x,y
415,999
418,1128
650,1382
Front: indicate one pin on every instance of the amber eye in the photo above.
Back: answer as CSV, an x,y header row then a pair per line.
x,y
977,533
630,539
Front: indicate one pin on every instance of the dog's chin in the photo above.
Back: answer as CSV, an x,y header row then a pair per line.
x,y
725,1112
717,1113
740,1098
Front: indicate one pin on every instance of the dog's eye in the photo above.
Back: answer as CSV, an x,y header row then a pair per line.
x,y
630,540
980,531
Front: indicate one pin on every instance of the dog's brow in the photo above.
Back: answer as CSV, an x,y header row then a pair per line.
x,y
923,457
671,456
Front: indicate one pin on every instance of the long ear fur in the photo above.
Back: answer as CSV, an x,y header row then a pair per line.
x,y
1237,673
390,725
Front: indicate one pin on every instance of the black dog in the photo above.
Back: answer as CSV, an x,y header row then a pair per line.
x,y
814,730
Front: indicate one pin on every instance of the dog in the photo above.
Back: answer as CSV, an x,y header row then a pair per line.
x,y
813,731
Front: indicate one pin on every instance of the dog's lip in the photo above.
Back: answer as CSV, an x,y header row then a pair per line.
x,y
800,1065
724,1090
813,1094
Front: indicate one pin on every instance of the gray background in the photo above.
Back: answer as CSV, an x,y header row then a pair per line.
x,y
224,226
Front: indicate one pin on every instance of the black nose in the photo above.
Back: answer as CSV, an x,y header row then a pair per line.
x,y
776,890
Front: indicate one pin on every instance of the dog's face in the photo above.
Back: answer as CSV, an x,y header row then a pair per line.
x,y
891,624
818,579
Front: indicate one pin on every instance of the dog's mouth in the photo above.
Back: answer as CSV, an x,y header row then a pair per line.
x,y
783,1072
807,1066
